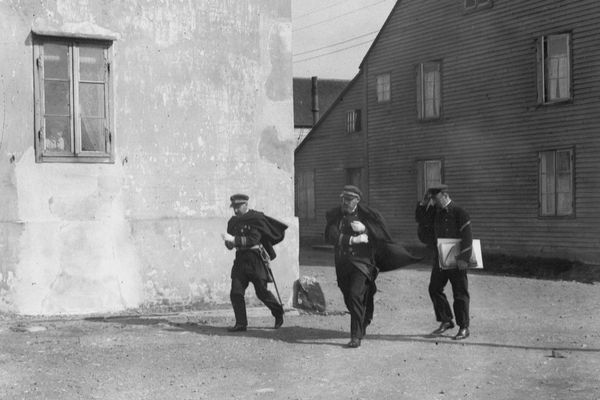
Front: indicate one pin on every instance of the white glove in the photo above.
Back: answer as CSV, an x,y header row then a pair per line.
x,y
227,237
362,238
358,226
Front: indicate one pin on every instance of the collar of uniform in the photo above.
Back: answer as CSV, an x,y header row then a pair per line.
x,y
449,205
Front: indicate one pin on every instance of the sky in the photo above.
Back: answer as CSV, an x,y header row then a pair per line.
x,y
331,37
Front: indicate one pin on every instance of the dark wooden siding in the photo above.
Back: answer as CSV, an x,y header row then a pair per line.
x,y
329,151
492,127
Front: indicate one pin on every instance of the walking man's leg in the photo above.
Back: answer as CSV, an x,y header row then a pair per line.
x,y
441,307
238,290
269,300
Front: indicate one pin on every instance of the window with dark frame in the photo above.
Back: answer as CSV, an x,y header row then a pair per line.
x,y
429,91
73,100
556,183
383,88
353,123
305,194
429,173
554,68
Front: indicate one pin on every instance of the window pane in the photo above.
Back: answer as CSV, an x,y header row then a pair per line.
x,y
56,61
57,97
58,134
383,87
91,99
557,67
547,184
91,64
433,173
432,93
564,193
92,134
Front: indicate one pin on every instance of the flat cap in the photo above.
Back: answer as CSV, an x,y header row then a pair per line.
x,y
238,199
435,189
351,191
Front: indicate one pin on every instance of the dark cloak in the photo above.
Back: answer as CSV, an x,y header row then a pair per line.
x,y
389,255
271,230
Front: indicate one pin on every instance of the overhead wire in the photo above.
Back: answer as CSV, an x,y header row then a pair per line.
x,y
337,16
334,44
334,51
320,9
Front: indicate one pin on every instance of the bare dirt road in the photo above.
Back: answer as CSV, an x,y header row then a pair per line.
x,y
530,339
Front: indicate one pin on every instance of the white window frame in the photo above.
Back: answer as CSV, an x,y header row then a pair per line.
x,y
384,88
75,153
429,90
556,184
554,69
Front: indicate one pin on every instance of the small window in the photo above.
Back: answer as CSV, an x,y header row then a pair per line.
x,y
556,183
429,91
429,173
73,100
554,68
305,194
354,176
477,4
353,121
383,88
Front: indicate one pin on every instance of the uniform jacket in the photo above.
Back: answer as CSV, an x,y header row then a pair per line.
x,y
255,228
451,221
387,255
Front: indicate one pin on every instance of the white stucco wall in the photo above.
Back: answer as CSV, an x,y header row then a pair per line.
x,y
203,109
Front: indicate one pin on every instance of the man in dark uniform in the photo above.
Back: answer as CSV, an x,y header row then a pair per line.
x,y
439,217
362,247
253,235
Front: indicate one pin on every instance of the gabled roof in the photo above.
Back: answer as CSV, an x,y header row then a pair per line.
x,y
327,89
329,110
379,33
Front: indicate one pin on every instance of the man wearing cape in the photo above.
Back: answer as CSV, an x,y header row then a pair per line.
x,y
252,234
363,247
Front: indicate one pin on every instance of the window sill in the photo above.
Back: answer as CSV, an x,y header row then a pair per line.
x,y
76,160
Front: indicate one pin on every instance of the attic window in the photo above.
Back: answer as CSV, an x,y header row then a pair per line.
x,y
73,106
353,123
471,5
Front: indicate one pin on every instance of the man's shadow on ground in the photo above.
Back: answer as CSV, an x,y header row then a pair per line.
x,y
294,334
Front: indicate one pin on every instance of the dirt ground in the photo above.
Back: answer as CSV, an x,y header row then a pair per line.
x,y
530,339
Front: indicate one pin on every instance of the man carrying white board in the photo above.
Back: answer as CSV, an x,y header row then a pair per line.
x,y
440,217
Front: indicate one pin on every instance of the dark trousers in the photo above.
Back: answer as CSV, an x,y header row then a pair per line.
x,y
460,290
239,284
358,292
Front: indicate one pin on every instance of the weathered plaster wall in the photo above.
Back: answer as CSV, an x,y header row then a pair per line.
x,y
203,109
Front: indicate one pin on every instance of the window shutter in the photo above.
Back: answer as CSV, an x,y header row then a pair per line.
x,y
310,195
357,121
420,179
540,69
419,76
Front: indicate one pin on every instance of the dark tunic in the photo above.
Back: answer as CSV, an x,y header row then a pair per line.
x,y
252,231
450,222
357,265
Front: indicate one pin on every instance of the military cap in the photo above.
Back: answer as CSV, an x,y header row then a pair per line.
x,y
238,199
351,191
435,189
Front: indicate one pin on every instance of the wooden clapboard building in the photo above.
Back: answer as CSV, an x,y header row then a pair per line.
x,y
498,99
